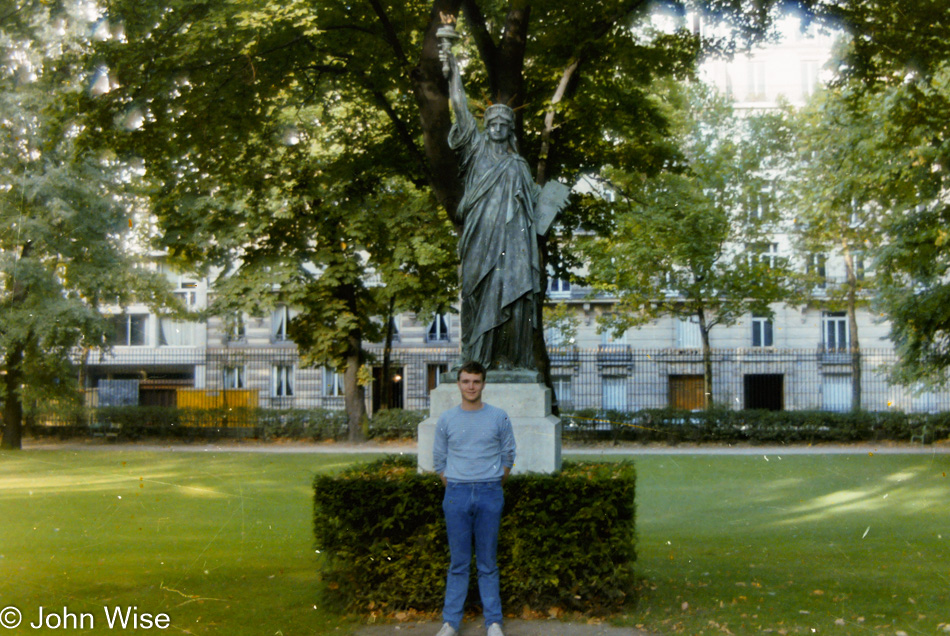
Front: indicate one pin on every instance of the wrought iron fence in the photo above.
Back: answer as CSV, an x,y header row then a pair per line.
x,y
607,378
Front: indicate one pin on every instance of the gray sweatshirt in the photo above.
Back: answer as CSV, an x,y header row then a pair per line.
x,y
473,445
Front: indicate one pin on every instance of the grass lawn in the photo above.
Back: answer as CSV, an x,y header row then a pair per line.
x,y
222,542
839,544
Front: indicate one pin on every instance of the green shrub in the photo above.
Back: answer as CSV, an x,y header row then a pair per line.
x,y
311,424
395,424
757,427
567,540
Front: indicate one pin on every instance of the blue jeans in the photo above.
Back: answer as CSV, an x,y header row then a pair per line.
x,y
472,515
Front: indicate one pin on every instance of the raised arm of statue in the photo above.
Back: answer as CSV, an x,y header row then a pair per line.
x,y
457,98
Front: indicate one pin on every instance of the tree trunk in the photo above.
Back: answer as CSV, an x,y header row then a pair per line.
x,y
81,382
854,345
541,358
354,395
12,404
13,365
707,362
431,92
385,381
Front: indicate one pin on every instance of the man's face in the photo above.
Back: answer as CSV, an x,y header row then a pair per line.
x,y
471,385
498,130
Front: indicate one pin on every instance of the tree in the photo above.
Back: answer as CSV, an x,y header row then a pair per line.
x,y
693,241
897,64
915,262
208,94
65,220
840,169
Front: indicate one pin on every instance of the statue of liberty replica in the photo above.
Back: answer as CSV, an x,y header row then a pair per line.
x,y
502,211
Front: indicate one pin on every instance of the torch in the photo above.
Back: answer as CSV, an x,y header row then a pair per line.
x,y
447,35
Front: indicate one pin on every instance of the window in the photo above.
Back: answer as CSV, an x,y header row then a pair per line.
x,y
130,330
809,77
859,270
394,328
559,286
815,268
234,377
562,391
280,318
761,331
766,253
836,393
282,380
332,383
760,204
235,327
438,330
187,292
176,333
756,81
834,326
614,393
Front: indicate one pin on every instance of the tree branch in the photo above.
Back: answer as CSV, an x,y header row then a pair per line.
x,y
509,77
431,91
581,53
389,32
475,20
402,132
566,77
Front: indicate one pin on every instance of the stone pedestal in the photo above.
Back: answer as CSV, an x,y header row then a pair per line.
x,y
537,431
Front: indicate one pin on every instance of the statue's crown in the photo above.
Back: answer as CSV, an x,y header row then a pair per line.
x,y
500,111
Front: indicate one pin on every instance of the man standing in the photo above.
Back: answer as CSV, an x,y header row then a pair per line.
x,y
473,452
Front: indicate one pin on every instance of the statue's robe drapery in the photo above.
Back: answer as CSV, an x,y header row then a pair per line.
x,y
498,249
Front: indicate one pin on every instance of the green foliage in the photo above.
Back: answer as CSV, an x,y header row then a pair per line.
x,y
560,319
66,214
139,422
687,242
693,241
567,540
724,426
395,424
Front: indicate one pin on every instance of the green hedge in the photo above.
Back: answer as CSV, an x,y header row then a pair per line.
x,y
656,425
567,540
773,427
137,422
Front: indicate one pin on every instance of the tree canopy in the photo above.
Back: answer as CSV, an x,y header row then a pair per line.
x,y
65,220
693,242
896,68
304,146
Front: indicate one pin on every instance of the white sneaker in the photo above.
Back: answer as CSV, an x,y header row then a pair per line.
x,y
495,630
447,630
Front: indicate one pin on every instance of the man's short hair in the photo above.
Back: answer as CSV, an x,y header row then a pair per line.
x,y
473,367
